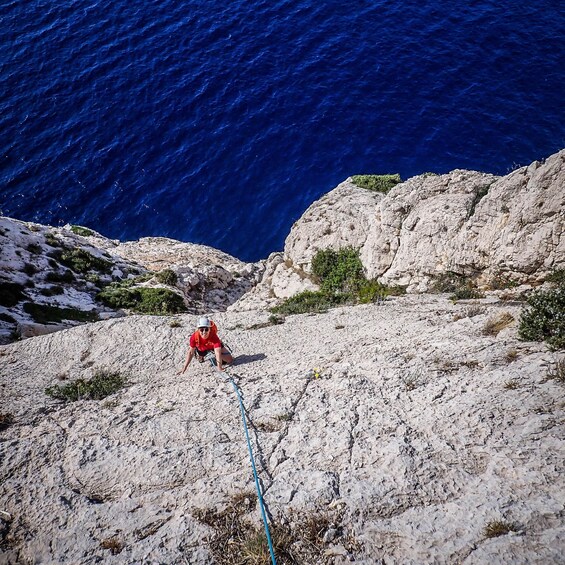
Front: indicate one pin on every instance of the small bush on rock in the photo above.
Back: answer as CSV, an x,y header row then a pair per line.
x,y
156,301
338,271
81,261
311,301
52,240
167,276
498,528
377,183
80,230
557,276
45,314
98,387
372,291
10,293
342,281
543,319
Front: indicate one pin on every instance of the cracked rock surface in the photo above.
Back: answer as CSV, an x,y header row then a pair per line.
x,y
405,415
470,223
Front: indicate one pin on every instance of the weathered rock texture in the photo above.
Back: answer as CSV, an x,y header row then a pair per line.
x,y
469,223
420,431
207,279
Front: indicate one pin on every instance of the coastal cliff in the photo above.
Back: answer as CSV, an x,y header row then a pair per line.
x,y
418,429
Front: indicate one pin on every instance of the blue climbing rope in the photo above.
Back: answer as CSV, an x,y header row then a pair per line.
x,y
257,486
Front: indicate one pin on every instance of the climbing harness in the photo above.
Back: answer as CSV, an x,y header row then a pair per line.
x,y
257,486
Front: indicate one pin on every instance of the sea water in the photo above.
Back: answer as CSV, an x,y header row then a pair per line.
x,y
221,122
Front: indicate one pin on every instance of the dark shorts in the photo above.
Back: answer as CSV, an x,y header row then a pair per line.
x,y
204,353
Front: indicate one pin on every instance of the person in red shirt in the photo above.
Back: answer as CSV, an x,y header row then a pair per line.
x,y
206,339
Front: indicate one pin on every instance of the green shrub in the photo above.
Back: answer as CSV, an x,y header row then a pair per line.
x,y
462,287
167,276
338,271
80,230
29,269
377,183
52,290
156,301
52,240
44,313
448,282
558,277
342,281
94,278
81,261
57,277
466,293
543,319
372,291
34,248
396,290
100,386
10,293
309,301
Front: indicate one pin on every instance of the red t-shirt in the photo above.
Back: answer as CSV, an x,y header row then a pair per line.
x,y
205,344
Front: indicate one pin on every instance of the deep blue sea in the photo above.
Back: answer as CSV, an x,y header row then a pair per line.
x,y
221,122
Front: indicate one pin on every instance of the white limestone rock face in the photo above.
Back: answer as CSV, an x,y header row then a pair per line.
x,y
263,294
412,238
401,426
342,217
209,279
474,224
519,226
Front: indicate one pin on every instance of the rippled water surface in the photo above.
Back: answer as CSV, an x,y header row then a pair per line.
x,y
220,122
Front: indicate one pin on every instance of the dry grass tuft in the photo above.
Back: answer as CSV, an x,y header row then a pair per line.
x,y
511,356
412,380
236,540
496,324
469,312
6,419
556,371
268,426
511,384
498,528
114,544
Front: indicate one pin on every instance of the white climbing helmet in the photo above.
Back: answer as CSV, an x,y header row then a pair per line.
x,y
204,322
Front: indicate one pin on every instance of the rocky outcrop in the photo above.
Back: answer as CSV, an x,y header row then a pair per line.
x,y
210,279
472,224
50,278
398,433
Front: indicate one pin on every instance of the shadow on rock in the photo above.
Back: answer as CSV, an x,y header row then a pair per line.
x,y
243,359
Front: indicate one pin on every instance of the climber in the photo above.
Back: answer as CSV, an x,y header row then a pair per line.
x,y
206,339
